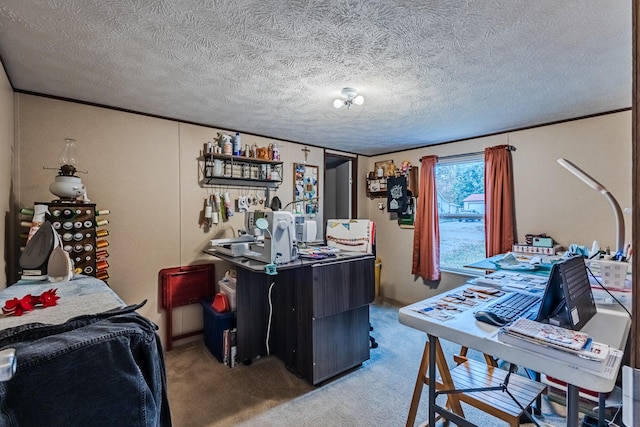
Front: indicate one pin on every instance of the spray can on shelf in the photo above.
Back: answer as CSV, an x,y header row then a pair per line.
x,y
227,146
275,152
237,145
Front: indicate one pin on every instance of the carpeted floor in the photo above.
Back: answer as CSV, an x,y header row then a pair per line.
x,y
204,392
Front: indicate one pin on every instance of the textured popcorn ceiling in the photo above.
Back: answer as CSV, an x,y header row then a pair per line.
x,y
430,71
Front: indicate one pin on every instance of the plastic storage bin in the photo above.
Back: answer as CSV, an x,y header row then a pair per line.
x,y
215,324
228,287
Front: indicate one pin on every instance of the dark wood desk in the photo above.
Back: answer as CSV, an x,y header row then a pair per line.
x,y
319,325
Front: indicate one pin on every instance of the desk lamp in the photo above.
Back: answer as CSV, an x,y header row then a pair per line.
x,y
263,224
584,177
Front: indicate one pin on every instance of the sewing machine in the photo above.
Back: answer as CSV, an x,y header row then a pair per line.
x,y
278,244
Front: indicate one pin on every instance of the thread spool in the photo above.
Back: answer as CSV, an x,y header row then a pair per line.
x,y
215,218
103,212
102,254
102,244
27,211
102,265
102,222
102,275
102,233
25,223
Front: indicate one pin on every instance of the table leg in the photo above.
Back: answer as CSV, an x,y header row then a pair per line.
x,y
572,405
431,357
417,391
602,405
432,379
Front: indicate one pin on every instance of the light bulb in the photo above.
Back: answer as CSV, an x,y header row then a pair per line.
x,y
358,100
338,103
68,154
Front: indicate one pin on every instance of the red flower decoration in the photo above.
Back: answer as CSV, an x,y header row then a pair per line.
x,y
49,298
17,307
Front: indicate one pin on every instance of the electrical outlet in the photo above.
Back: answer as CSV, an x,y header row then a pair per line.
x,y
630,396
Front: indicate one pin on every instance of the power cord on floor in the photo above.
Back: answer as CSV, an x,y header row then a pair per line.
x,y
270,314
611,422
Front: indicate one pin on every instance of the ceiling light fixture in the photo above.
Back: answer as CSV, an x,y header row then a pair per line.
x,y
350,97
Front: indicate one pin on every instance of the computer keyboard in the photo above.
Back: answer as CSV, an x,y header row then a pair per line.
x,y
513,306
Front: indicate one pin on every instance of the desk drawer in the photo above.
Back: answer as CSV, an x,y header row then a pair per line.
x,y
342,286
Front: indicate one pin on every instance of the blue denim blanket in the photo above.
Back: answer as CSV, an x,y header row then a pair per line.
x,y
95,369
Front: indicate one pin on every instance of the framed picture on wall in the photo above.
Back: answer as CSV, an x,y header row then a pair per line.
x,y
305,189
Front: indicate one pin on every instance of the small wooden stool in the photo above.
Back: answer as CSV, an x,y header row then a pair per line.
x,y
471,375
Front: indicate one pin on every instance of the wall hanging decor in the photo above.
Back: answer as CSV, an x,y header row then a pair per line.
x,y
305,189
396,194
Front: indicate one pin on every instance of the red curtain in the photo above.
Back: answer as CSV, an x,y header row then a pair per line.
x,y
426,234
498,200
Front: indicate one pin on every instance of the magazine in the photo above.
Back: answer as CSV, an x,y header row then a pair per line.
x,y
593,356
546,334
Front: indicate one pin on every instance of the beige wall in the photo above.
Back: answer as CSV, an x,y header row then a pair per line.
x,y
145,171
548,198
6,166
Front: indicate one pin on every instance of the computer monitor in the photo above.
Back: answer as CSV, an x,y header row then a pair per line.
x,y
567,300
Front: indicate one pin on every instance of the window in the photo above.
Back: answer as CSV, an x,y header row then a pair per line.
x,y
460,188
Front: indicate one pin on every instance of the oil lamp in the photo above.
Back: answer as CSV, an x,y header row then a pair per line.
x,y
67,185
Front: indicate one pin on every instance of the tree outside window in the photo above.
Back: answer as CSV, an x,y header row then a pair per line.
x,y
460,187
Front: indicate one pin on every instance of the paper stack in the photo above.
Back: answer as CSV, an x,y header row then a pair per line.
x,y
570,346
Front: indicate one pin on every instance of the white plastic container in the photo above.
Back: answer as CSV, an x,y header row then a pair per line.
x,y
228,287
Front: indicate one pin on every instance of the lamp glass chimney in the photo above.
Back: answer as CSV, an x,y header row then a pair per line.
x,y
68,155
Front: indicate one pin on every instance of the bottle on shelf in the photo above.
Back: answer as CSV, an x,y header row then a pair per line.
x,y
237,145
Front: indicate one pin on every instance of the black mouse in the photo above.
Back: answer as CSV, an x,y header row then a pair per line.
x,y
490,318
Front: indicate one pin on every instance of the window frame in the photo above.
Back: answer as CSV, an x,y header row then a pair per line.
x,y
448,161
